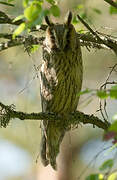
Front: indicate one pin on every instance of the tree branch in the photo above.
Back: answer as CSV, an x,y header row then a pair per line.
x,y
7,113
105,40
89,40
112,3
5,19
19,40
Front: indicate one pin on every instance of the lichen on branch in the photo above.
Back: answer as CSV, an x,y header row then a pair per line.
x,y
7,113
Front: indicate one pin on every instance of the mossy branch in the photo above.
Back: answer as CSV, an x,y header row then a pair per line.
x,y
8,113
87,40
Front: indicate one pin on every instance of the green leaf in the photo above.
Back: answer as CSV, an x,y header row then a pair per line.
x,y
25,3
83,15
113,92
102,94
113,147
55,10
80,6
41,16
18,18
51,1
18,31
97,10
114,87
32,12
113,126
10,1
81,31
112,10
113,176
39,20
107,165
95,177
34,48
75,20
7,4
84,92
114,118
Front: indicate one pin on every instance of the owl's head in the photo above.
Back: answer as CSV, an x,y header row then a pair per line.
x,y
60,36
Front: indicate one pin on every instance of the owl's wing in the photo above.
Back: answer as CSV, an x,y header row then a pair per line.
x,y
48,81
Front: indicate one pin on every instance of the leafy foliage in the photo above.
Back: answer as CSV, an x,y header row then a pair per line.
x,y
113,176
95,177
102,94
51,1
112,10
10,1
31,12
20,28
113,127
55,11
86,91
34,14
106,165
113,92
98,11
18,18
81,11
7,3
34,48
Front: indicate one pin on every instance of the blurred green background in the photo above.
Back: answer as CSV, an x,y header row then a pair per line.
x,y
19,85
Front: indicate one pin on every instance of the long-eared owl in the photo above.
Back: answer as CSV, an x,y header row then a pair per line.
x,y
61,81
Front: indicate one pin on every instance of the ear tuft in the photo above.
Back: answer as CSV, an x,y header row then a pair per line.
x,y
48,21
69,18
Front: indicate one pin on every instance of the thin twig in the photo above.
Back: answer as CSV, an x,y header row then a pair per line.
x,y
106,41
5,19
89,164
112,3
103,86
19,40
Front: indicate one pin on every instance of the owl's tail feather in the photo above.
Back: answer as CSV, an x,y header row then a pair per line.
x,y
54,147
44,159
50,145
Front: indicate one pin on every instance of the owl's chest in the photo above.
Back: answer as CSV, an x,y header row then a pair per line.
x,y
59,67
59,86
